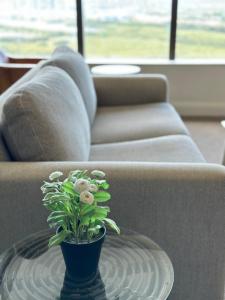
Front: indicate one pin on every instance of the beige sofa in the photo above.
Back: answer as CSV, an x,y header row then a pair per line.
x,y
56,118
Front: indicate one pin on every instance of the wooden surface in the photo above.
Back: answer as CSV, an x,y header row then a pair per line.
x,y
14,69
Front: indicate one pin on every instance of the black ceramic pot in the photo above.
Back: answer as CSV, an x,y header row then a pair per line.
x,y
82,260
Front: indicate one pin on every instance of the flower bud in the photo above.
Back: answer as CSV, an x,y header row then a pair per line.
x,y
93,188
55,175
98,173
86,197
81,185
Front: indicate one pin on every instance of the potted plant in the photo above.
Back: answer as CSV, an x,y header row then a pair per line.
x,y
79,215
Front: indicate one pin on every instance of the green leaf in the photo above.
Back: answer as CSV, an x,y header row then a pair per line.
x,y
55,206
112,224
56,197
86,209
49,195
57,217
99,209
68,188
50,184
106,208
83,173
75,172
100,181
105,185
102,196
79,173
58,223
95,229
100,213
58,238
58,212
85,221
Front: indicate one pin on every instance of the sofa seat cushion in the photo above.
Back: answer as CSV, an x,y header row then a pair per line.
x,y
45,119
133,122
73,63
172,148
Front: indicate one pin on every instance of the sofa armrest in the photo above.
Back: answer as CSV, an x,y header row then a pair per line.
x,y
180,206
135,89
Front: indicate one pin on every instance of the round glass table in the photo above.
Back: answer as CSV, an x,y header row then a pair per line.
x,y
132,267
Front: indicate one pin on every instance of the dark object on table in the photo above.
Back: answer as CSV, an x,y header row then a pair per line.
x,y
82,291
82,260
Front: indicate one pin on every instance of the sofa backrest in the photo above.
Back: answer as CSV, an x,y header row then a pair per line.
x,y
74,64
4,153
45,119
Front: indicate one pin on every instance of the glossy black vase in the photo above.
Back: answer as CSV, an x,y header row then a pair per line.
x,y
87,290
82,260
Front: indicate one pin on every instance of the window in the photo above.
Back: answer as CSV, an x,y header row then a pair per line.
x,y
36,27
125,29
201,29
114,29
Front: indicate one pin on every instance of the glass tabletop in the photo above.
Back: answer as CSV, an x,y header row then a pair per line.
x,y
115,70
132,267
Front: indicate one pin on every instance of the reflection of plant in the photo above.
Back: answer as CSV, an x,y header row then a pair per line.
x,y
74,205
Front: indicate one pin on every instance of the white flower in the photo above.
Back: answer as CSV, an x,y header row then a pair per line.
x,y
93,188
81,185
55,175
86,197
98,173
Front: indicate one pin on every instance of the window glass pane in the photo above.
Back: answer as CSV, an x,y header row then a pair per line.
x,y
36,27
125,29
201,29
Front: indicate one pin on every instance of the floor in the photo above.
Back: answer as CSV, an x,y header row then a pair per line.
x,y
209,135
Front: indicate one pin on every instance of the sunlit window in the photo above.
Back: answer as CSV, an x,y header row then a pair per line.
x,y
114,29
36,27
125,29
201,29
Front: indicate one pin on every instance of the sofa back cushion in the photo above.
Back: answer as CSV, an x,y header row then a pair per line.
x,y
4,153
45,119
74,64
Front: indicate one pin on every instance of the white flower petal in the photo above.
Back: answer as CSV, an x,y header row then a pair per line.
x,y
93,188
86,197
55,175
81,185
98,173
